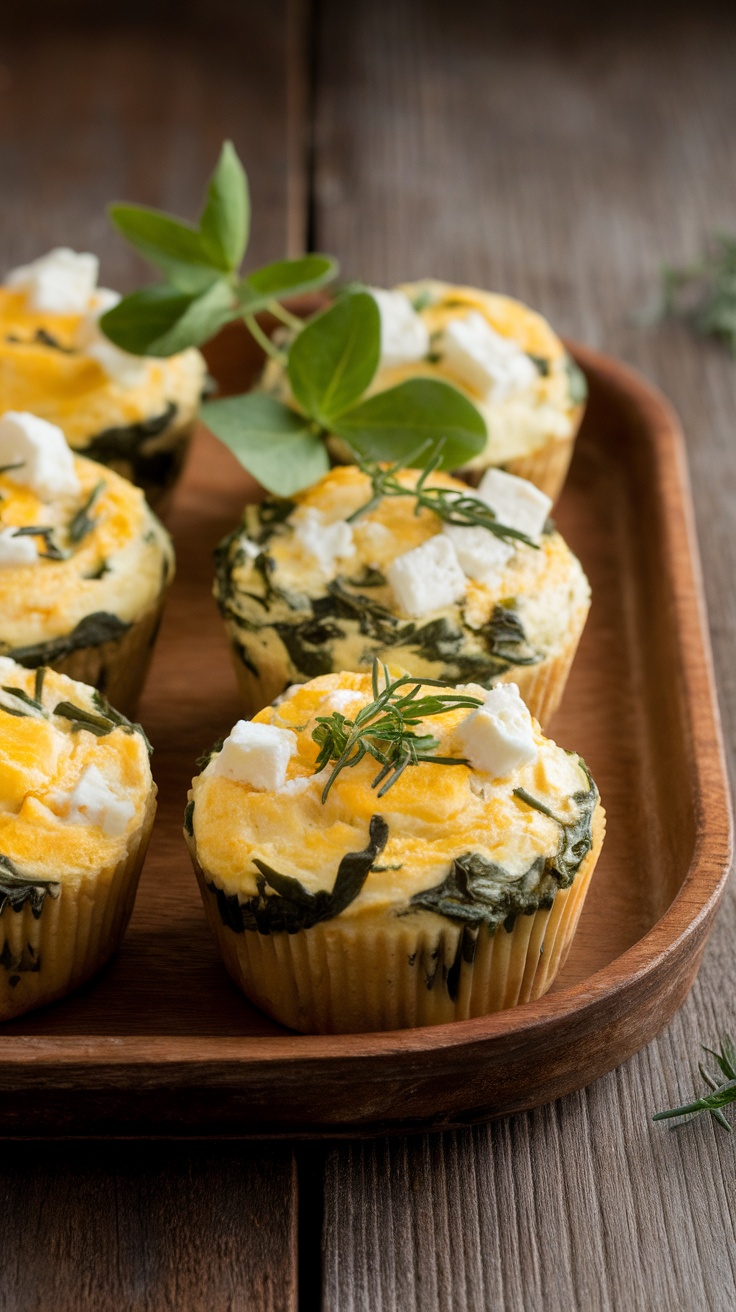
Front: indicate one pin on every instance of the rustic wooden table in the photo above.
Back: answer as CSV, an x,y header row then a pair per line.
x,y
558,154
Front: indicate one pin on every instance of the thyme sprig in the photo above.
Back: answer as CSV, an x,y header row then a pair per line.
x,y
385,729
450,504
723,1089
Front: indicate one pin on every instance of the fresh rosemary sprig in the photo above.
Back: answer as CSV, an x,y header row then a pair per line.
x,y
449,504
47,533
384,729
723,1090
82,523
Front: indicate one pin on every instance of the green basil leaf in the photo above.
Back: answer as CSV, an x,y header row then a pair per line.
x,y
161,320
334,358
274,443
392,424
173,247
225,221
285,278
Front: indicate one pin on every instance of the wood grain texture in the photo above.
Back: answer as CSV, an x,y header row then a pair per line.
x,y
148,1228
132,101
561,158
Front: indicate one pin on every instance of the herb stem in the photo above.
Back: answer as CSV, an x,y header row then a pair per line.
x,y
290,320
263,339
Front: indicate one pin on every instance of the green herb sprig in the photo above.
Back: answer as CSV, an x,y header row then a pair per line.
x,y
385,729
702,293
723,1089
449,504
330,359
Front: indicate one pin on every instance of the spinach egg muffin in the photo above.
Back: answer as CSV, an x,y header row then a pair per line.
x,y
132,413
374,853
84,563
500,354
77,803
380,562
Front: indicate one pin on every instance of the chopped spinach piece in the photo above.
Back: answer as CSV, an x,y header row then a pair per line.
x,y
92,631
16,889
291,907
189,819
576,381
125,445
542,364
478,891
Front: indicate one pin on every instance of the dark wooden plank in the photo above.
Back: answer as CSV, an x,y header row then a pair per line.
x,y
148,1228
560,159
133,101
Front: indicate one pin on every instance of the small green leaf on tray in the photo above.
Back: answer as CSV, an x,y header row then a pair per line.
x,y
225,222
274,443
334,358
391,424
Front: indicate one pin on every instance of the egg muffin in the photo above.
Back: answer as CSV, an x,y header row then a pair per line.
x,y
375,853
363,565
77,803
500,354
84,563
132,413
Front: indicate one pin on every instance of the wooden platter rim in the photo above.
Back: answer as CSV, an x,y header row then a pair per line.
x,y
689,915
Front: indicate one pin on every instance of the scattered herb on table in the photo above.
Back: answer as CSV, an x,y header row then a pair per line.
x,y
703,293
723,1088
385,729
330,359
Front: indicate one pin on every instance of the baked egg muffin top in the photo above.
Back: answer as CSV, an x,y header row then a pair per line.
x,y
75,780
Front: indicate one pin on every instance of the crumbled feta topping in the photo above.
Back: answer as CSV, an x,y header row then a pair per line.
x,y
338,700
15,550
404,334
427,578
494,366
40,450
481,554
516,501
60,282
255,754
498,737
93,802
120,366
328,543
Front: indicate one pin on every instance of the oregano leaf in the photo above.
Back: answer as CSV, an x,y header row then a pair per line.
x,y
273,282
225,221
173,247
334,358
162,321
392,424
274,443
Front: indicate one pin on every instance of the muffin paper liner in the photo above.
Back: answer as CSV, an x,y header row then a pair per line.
x,y
76,932
118,668
390,972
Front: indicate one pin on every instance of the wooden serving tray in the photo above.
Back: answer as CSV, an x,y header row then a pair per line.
x,y
162,1043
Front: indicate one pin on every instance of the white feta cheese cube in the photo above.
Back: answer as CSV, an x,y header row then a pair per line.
x,y
93,802
481,554
120,366
15,550
492,365
328,543
404,334
516,501
44,460
498,737
256,754
61,282
427,578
